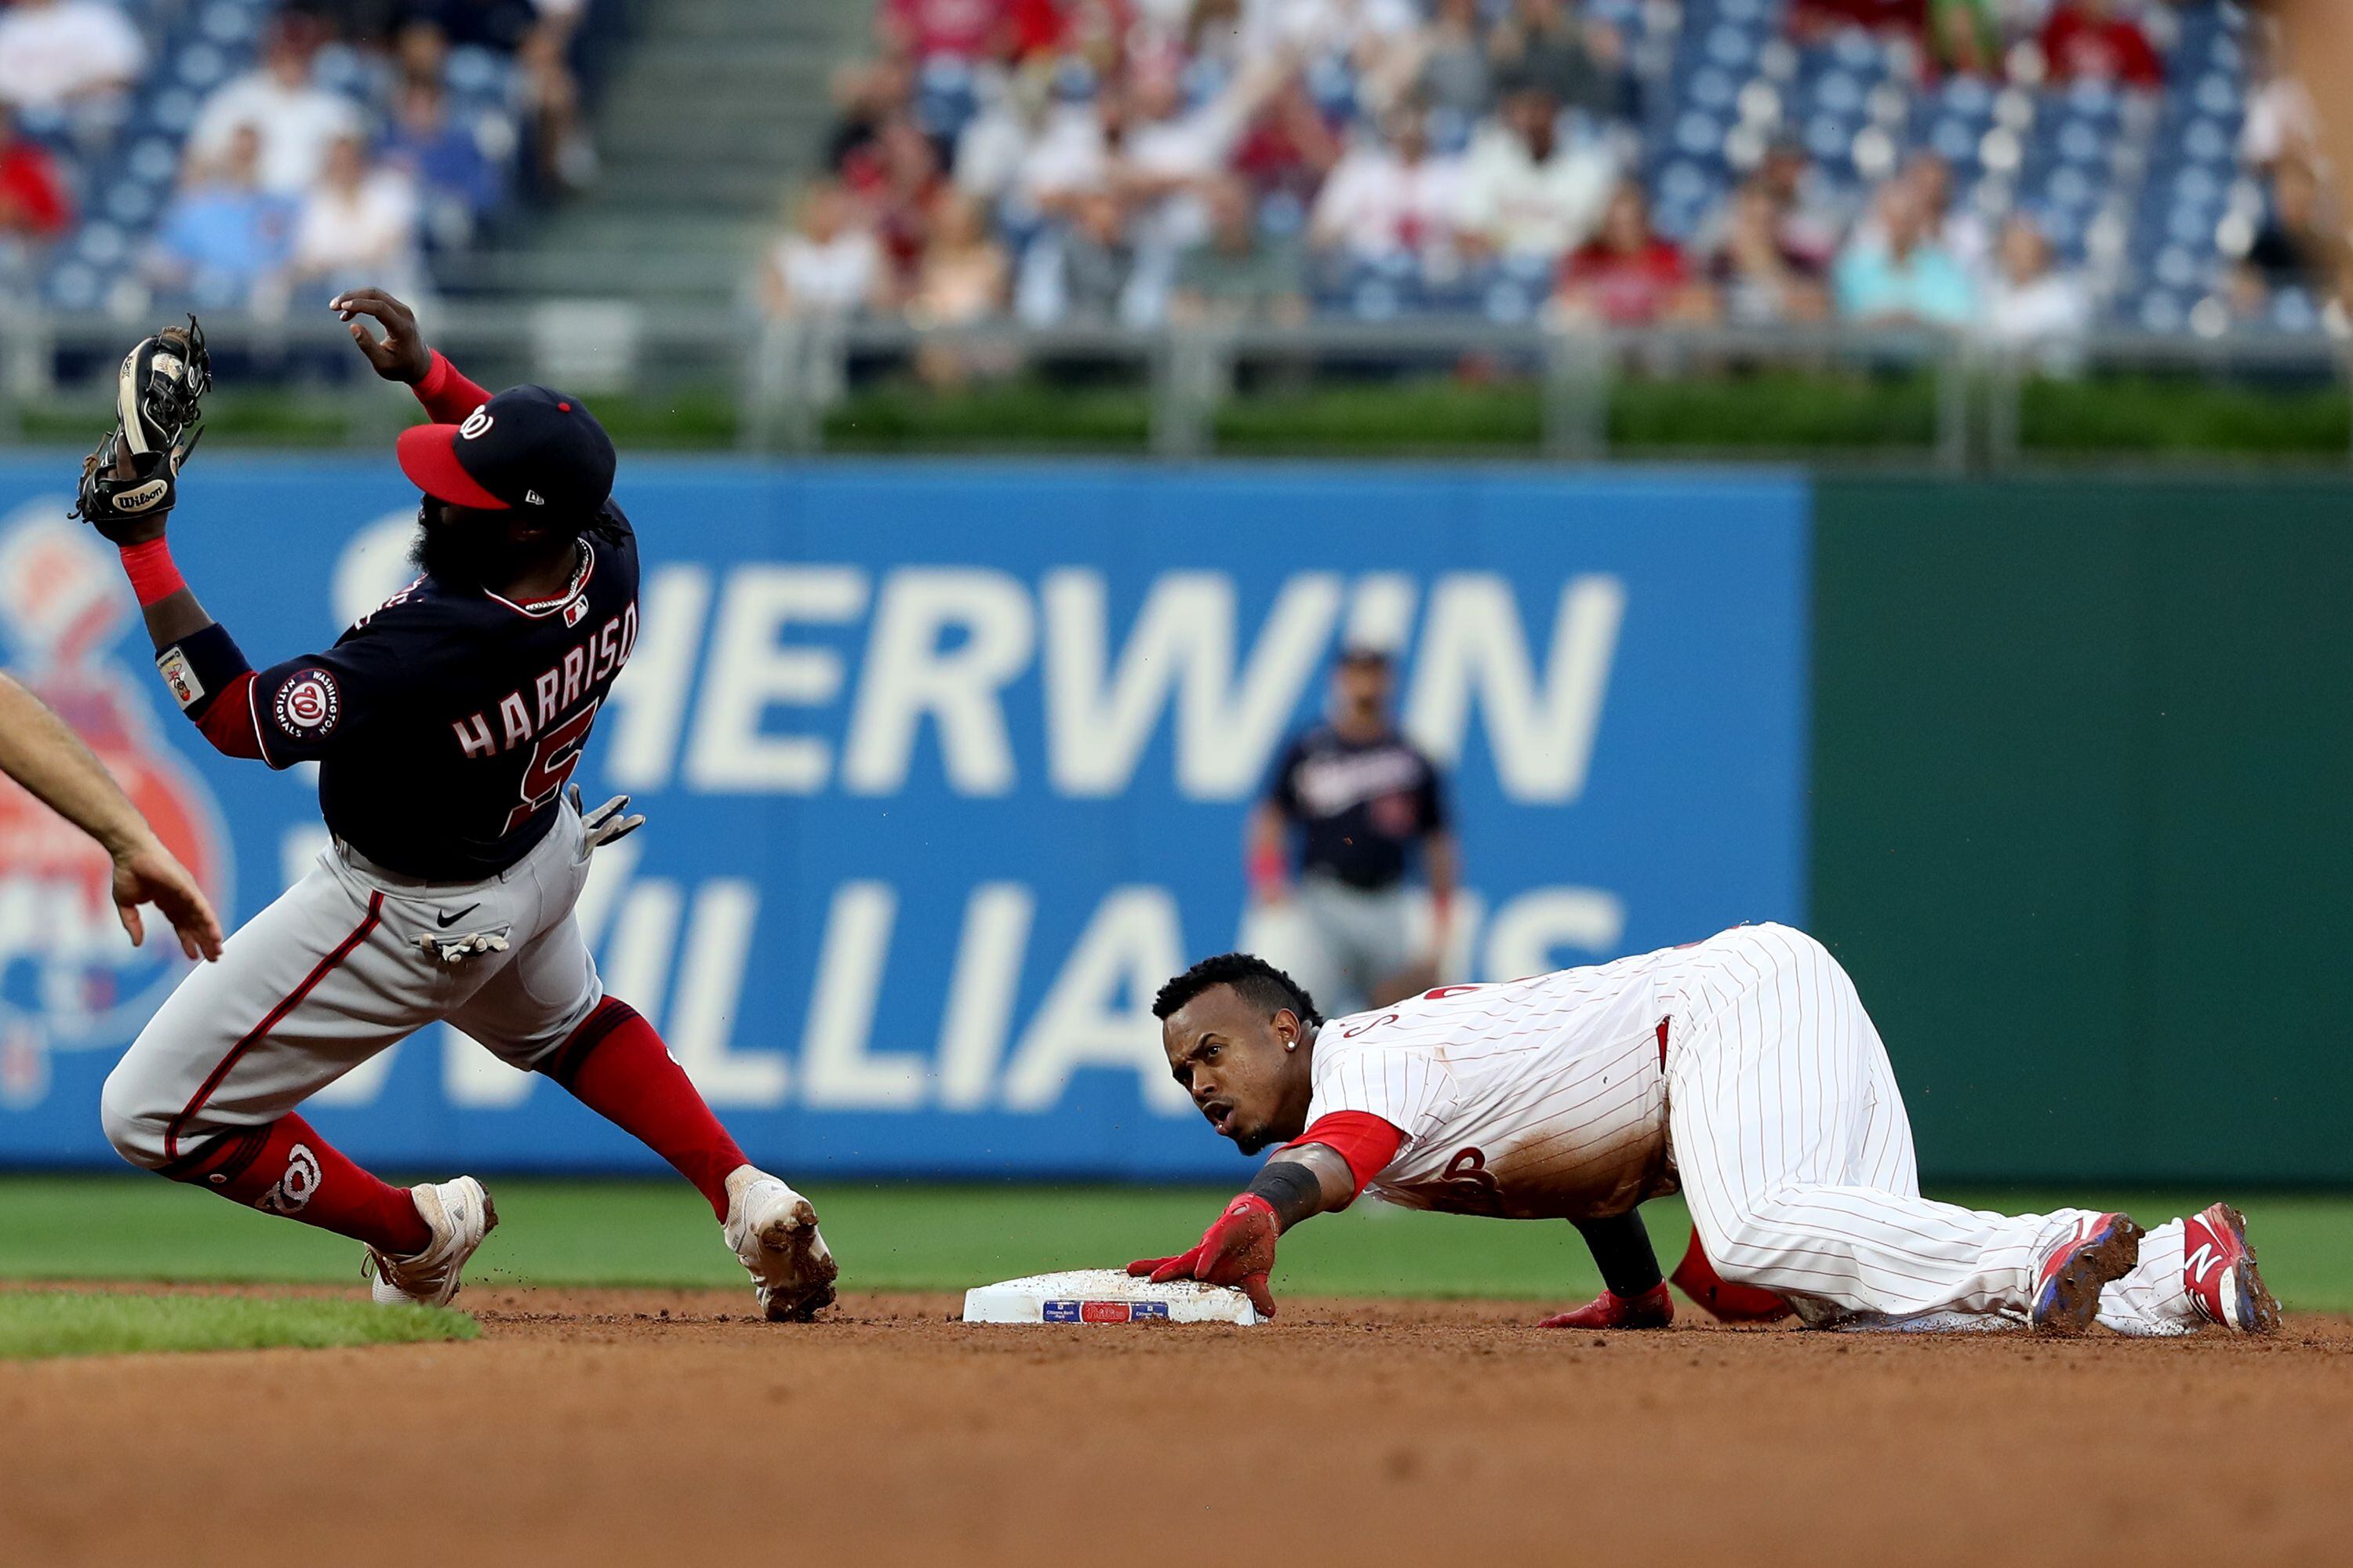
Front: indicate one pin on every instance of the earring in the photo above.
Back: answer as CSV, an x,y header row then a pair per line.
x,y
1290,1045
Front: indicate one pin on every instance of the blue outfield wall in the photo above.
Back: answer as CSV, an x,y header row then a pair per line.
x,y
946,767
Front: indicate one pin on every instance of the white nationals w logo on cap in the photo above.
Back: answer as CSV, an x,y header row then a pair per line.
x,y
476,423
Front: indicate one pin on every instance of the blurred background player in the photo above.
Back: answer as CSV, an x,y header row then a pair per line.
x,y
50,761
1355,801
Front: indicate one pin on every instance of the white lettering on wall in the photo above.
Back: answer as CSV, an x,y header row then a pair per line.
x,y
1472,646
702,1023
1100,717
908,674
1527,932
642,716
981,991
838,1072
752,670
1097,1012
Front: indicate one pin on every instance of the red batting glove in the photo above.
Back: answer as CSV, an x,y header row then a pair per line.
x,y
1237,1250
1696,1278
1654,1308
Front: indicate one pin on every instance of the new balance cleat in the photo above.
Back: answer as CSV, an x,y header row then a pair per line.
x,y
2101,1247
2218,1270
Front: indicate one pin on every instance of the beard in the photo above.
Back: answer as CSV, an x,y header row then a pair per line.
x,y
464,548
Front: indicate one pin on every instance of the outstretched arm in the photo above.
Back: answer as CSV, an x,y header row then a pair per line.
x,y
40,753
1323,1169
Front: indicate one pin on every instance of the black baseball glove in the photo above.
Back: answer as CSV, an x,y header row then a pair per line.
x,y
158,421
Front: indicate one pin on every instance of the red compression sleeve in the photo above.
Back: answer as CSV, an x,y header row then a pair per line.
x,y
228,723
1363,1139
152,576
445,393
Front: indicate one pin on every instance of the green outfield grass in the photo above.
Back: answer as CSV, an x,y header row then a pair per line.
x,y
945,1239
92,1323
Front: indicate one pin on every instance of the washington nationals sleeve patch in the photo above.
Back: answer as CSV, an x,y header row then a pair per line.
x,y
308,705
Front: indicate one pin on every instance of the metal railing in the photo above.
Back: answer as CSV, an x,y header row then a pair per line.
x,y
781,378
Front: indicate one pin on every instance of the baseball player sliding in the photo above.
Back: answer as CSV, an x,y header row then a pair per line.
x,y
446,725
1742,1070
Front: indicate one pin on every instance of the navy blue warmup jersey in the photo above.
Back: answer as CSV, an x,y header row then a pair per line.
x,y
446,723
1359,805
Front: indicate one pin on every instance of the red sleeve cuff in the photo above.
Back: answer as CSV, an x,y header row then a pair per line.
x,y
1363,1139
445,393
229,724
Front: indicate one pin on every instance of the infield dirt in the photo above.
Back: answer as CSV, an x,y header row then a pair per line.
x,y
664,1426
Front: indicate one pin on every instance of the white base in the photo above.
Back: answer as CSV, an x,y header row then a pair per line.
x,y
1104,1296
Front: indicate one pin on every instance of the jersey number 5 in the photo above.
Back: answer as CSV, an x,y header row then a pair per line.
x,y
551,764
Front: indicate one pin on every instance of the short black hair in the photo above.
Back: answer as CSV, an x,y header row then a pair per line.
x,y
1253,978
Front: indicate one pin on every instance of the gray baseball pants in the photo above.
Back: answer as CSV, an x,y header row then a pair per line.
x,y
352,960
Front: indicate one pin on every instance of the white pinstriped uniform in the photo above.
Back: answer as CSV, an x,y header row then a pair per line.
x,y
1539,1099
1775,1107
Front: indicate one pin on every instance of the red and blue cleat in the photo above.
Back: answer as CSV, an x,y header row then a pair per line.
x,y
2101,1247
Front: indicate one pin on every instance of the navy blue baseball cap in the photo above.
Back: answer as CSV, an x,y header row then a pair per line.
x,y
530,449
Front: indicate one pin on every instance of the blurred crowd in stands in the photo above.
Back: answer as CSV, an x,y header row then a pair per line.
x,y
1141,161
367,138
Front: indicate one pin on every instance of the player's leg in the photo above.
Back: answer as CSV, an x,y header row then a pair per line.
x,y
1385,934
1309,951
308,990
1796,1156
545,1010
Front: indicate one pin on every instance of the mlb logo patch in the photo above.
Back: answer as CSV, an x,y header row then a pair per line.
x,y
1103,1312
1061,1312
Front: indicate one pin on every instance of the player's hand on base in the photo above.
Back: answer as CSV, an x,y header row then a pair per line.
x,y
401,354
1237,1250
148,875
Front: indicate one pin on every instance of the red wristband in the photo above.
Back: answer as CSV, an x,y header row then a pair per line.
x,y
1265,871
152,576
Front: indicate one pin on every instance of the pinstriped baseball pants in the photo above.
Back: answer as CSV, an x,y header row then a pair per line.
x,y
1795,1152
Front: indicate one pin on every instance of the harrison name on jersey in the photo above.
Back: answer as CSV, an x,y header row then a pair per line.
x,y
528,712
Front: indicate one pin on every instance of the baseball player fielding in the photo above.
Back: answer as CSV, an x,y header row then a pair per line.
x,y
446,725
1741,1070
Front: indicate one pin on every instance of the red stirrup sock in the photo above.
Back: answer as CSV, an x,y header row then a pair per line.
x,y
619,1067
286,1168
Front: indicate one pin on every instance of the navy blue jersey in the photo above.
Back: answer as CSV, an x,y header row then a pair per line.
x,y
446,723
1360,804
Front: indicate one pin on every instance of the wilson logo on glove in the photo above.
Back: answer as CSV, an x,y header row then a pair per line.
x,y
142,497
133,475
